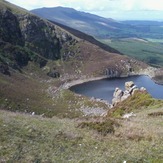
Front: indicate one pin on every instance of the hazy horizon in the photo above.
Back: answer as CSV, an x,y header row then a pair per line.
x,y
120,10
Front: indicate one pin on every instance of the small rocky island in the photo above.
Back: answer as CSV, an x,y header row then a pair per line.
x,y
120,95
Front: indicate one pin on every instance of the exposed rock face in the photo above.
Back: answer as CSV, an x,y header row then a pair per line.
x,y
40,37
10,31
53,74
122,68
120,95
4,69
26,37
110,72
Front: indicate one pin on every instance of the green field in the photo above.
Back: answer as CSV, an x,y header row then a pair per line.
x,y
149,51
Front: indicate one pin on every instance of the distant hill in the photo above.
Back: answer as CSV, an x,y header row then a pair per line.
x,y
100,27
85,22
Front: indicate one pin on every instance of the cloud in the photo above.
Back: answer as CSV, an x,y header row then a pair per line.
x,y
92,5
106,8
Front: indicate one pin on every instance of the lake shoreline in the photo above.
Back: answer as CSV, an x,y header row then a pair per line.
x,y
103,87
150,72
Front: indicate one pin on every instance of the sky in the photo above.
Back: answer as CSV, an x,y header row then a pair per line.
x,y
116,9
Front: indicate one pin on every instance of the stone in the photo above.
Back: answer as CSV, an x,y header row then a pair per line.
x,y
53,74
118,93
124,97
134,87
134,90
143,89
115,101
128,115
4,69
129,85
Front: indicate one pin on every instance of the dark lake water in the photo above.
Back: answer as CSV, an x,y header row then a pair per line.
x,y
104,88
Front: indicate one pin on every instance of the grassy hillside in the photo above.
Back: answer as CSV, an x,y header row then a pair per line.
x,y
12,7
150,51
26,138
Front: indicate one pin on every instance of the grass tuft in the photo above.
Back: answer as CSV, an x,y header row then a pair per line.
x,y
104,128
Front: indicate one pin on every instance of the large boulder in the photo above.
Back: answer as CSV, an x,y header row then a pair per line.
x,y
118,93
115,101
125,96
129,85
53,74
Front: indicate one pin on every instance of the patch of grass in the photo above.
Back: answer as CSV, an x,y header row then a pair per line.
x,y
103,128
27,138
118,113
12,7
68,104
21,93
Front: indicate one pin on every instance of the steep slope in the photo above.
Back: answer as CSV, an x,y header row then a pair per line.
x,y
87,37
26,37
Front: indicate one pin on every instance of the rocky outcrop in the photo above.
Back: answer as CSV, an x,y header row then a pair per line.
x,y
4,69
111,73
9,28
25,37
123,68
53,73
119,95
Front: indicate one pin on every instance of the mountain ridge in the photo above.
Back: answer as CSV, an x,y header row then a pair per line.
x,y
100,27
79,20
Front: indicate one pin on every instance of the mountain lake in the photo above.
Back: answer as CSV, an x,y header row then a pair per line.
x,y
104,88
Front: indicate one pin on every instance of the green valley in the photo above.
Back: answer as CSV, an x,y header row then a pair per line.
x,y
146,50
